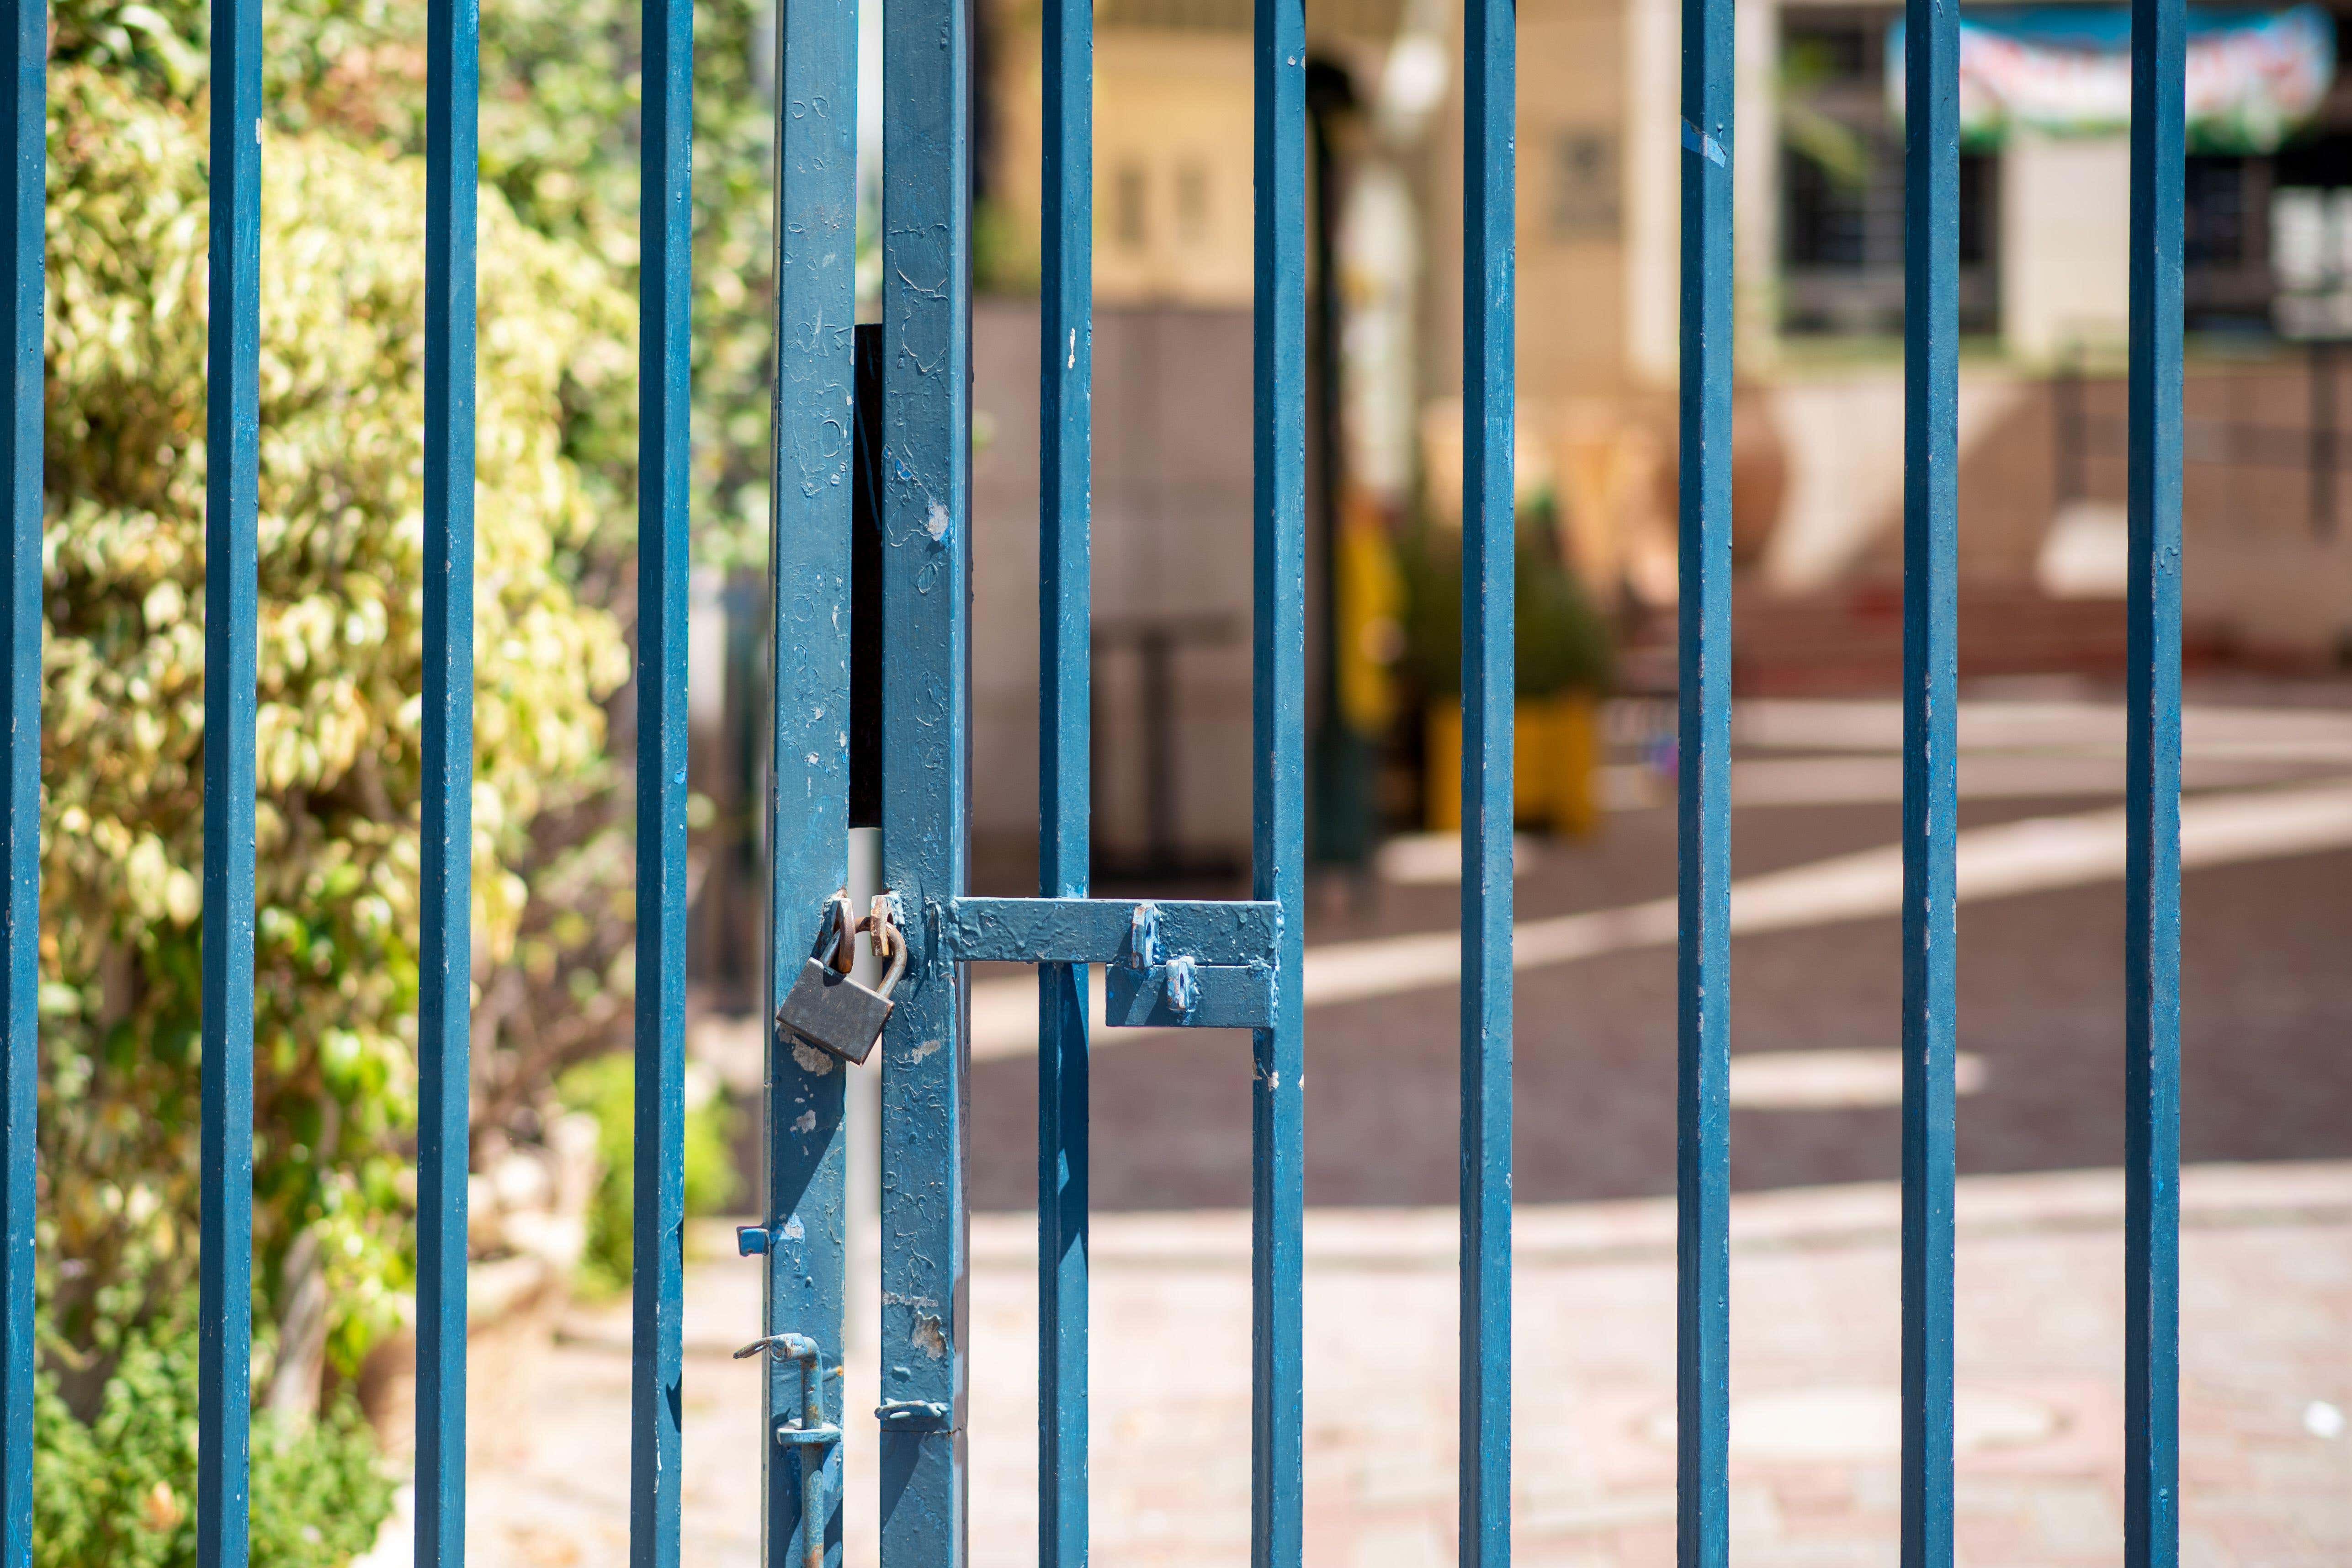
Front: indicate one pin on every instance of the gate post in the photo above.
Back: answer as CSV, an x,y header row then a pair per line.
x,y
809,525
926,702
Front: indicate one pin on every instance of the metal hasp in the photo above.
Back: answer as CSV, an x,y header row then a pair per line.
x,y
1193,963
812,1431
1149,987
1102,930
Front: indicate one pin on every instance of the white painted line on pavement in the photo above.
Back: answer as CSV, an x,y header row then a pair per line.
x,y
2316,735
2036,855
1834,1079
1851,780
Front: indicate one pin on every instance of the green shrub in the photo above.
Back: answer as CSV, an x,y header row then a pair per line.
x,y
606,1088
340,659
118,1492
341,645
562,98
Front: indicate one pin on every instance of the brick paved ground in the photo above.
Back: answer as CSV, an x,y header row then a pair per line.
x,y
2266,1006
2267,1317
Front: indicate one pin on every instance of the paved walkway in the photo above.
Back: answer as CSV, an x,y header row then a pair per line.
x,y
2267,1355
2031,856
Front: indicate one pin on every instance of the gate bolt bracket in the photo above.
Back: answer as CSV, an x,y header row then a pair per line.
x,y
813,1431
1183,987
790,1436
915,1415
1143,937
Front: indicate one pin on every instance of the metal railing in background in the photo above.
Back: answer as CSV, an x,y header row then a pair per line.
x,y
1232,964
2318,448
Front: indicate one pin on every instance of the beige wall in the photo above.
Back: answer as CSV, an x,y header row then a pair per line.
x,y
1173,186
1173,163
1572,190
2065,219
1579,208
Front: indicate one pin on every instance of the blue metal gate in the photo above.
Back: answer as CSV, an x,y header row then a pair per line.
x,y
1232,964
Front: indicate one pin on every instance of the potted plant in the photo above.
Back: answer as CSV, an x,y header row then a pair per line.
x,y
1563,657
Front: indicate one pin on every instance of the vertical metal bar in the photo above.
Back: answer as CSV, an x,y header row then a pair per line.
x,y
1278,777
665,290
20,920
1489,543
233,436
1703,1168
926,761
2152,800
1931,250
445,973
810,548
1065,804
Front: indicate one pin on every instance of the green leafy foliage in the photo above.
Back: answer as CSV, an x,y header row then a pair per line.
x,y
341,535
606,1088
117,1492
562,92
341,663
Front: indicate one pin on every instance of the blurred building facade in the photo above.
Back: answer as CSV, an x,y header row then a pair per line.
x,y
1818,241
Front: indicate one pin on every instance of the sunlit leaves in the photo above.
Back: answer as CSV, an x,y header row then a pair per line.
x,y
338,741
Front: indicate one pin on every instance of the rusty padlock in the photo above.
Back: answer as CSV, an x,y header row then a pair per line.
x,y
831,1010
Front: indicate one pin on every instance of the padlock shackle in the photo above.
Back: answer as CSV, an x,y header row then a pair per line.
x,y
844,956
889,944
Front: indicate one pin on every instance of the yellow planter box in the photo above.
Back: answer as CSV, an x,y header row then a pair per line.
x,y
1555,764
